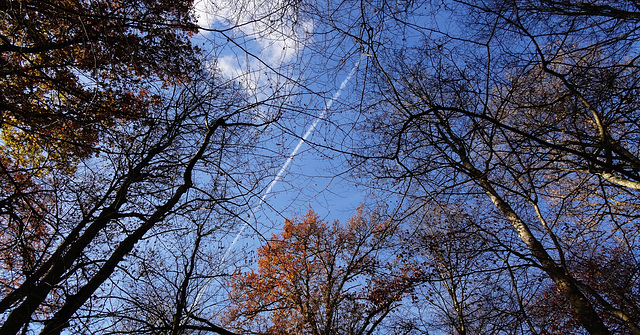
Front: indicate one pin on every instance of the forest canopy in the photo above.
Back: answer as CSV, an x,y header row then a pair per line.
x,y
151,150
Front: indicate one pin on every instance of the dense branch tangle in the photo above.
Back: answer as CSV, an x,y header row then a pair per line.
x,y
115,137
120,205
539,113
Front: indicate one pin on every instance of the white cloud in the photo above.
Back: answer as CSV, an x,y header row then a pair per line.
x,y
269,30
269,26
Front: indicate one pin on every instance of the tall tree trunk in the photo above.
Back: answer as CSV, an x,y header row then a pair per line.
x,y
581,307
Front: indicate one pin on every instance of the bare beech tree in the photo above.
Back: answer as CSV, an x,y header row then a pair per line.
x,y
164,289
532,104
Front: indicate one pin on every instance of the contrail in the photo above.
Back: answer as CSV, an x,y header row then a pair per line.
x,y
281,172
290,158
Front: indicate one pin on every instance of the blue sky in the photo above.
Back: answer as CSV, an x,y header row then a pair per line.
x,y
262,59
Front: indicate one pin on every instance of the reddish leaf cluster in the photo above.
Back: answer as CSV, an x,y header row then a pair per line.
x,y
23,234
322,278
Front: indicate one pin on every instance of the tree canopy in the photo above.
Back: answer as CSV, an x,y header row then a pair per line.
x,y
323,278
72,68
495,144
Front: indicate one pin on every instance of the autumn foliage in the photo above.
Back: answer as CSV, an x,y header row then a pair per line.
x,y
24,235
71,68
70,72
323,278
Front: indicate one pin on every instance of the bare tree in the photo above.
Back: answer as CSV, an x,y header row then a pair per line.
x,y
181,159
531,104
471,284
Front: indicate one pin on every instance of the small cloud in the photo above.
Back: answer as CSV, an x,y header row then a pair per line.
x,y
273,25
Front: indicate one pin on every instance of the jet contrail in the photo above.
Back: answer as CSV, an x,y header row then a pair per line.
x,y
290,158
281,172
